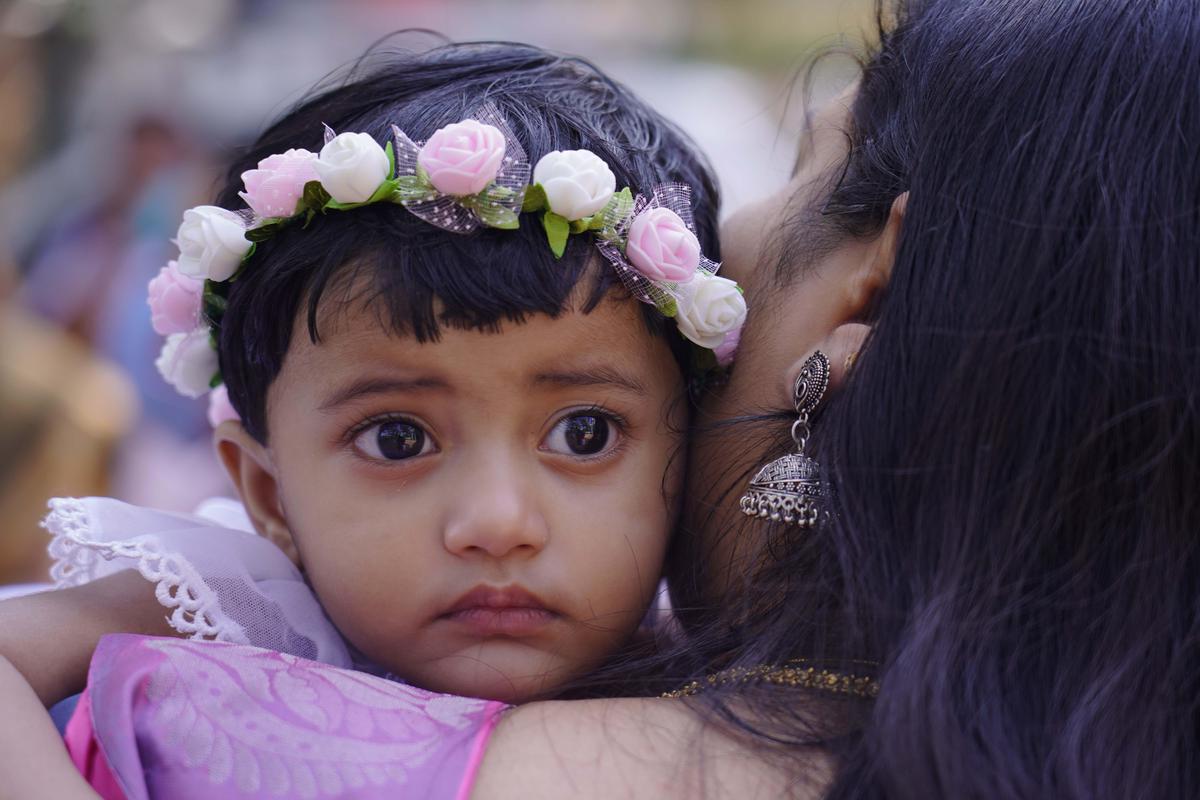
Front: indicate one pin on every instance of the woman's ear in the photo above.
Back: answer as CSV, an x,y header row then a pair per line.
x,y
889,242
876,270
249,467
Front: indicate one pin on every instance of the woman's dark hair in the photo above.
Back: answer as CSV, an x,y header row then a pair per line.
x,y
419,277
1014,463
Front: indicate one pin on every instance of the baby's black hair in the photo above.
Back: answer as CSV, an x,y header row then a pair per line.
x,y
420,277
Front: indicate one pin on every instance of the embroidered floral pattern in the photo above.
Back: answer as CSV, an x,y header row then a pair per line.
x,y
269,724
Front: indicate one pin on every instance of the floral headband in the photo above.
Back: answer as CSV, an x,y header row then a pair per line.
x,y
468,175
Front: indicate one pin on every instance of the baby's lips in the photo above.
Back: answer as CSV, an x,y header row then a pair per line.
x,y
491,611
497,597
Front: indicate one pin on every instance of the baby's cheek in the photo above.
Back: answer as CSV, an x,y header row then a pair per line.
x,y
621,560
363,584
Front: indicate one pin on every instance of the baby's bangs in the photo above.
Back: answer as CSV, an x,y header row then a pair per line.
x,y
417,279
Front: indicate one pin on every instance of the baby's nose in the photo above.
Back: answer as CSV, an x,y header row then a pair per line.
x,y
498,515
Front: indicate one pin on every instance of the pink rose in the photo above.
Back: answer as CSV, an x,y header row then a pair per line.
x,y
174,301
277,185
661,247
463,158
219,407
727,349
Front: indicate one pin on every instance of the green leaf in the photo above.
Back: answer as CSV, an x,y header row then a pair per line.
x,y
496,193
263,232
413,182
498,217
384,191
213,304
557,231
411,188
610,235
668,308
391,154
704,362
580,225
619,206
535,198
315,197
410,196
606,221
216,381
242,265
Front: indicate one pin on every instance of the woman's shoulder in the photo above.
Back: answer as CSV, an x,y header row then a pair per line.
x,y
633,748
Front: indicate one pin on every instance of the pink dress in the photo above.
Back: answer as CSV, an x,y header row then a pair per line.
x,y
219,715
168,718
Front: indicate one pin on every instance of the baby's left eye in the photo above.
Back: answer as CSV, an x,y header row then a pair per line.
x,y
584,434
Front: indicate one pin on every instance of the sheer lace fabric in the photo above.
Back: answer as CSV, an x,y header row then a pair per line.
x,y
218,579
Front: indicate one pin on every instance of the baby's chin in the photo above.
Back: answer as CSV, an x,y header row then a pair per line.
x,y
497,669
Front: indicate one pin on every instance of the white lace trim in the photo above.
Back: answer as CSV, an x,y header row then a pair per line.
x,y
194,606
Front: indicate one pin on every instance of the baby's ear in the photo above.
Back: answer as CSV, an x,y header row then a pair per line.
x,y
249,466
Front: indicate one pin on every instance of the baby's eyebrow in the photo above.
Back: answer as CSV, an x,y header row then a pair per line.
x,y
592,376
365,387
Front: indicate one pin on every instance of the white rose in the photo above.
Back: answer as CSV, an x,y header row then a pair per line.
x,y
188,362
351,167
709,308
577,182
212,243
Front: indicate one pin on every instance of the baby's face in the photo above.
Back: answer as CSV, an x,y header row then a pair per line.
x,y
487,514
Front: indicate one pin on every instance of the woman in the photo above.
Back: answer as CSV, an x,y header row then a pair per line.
x,y
998,231
1013,464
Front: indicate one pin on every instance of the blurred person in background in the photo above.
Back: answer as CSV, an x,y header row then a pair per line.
x,y
88,276
63,411
75,276
62,414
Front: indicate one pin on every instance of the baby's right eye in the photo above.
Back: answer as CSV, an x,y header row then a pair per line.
x,y
394,440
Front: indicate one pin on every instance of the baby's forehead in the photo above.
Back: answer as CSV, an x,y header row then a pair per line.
x,y
610,342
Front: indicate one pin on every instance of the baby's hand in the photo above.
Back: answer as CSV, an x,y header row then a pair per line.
x,y
49,637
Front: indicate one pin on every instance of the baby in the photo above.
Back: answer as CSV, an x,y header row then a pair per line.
x,y
420,292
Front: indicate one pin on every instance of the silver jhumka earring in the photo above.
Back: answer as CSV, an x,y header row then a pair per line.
x,y
789,489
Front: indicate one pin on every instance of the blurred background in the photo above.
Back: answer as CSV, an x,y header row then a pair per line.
x,y
116,115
